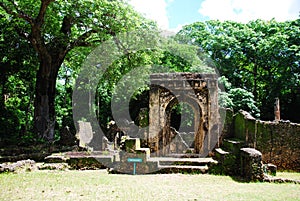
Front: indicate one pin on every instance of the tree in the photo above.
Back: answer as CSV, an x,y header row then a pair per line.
x,y
54,28
18,66
165,55
261,57
237,98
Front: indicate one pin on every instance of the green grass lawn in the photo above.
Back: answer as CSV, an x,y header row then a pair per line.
x,y
98,185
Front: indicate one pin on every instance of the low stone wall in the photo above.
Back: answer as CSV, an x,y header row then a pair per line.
x,y
24,165
226,124
279,142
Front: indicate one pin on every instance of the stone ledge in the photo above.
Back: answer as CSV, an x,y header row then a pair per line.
x,y
221,151
53,166
280,180
251,152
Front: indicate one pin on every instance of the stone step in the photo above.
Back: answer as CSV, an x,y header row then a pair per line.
x,y
34,156
167,161
189,155
233,145
226,162
183,168
221,151
220,154
81,160
56,158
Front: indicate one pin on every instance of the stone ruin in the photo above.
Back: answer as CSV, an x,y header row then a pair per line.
x,y
161,139
167,90
163,147
200,92
167,149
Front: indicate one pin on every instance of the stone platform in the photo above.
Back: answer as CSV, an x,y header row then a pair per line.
x,y
190,165
111,161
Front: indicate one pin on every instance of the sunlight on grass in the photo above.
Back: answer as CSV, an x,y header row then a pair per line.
x,y
289,175
98,185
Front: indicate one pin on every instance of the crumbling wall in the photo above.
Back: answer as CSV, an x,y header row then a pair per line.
x,y
279,142
245,128
200,91
226,125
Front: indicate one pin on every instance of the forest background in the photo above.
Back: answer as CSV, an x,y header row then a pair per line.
x,y
44,43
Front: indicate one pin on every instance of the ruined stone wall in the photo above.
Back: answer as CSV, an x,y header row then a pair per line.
x,y
226,125
279,142
197,90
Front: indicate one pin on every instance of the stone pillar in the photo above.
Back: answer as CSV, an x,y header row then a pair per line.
x,y
213,113
277,110
251,164
154,117
199,137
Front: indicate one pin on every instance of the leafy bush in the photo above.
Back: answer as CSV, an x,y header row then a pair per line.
x,y
237,98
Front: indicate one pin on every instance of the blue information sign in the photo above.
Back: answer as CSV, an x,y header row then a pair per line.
x,y
134,161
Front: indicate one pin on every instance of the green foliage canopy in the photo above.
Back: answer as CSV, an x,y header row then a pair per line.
x,y
52,30
261,57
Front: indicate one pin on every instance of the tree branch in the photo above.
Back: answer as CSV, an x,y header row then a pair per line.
x,y
121,46
18,14
36,37
39,20
81,40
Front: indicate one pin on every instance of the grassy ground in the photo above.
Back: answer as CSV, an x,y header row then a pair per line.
x,y
98,185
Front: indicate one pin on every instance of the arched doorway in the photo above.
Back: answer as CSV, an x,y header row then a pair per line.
x,y
184,126
199,93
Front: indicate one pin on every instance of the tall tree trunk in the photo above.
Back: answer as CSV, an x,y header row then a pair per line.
x,y
44,104
2,89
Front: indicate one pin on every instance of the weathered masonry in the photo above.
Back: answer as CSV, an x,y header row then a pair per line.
x,y
200,92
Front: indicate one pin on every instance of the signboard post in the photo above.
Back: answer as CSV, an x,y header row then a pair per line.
x,y
134,161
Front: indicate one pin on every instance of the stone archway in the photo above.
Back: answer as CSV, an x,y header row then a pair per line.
x,y
197,90
174,140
